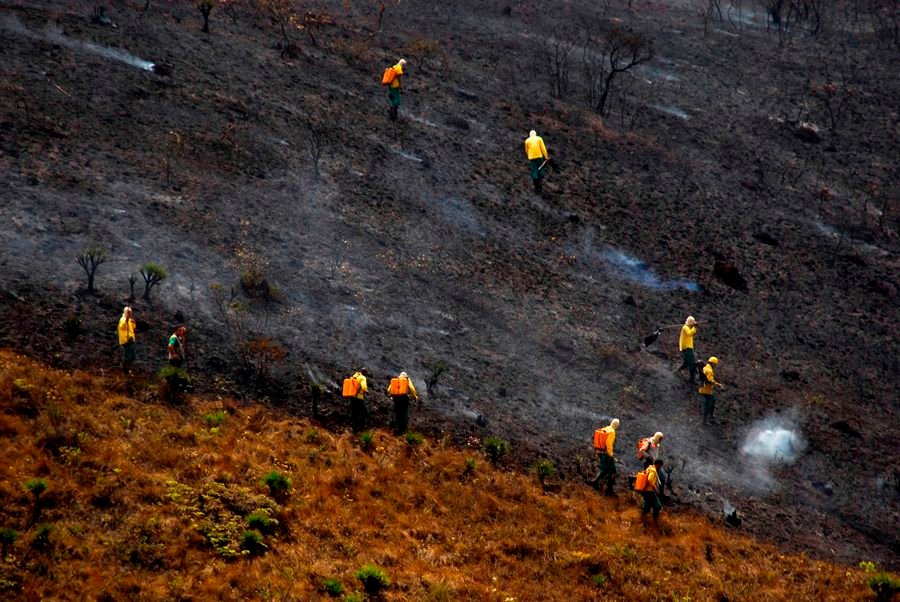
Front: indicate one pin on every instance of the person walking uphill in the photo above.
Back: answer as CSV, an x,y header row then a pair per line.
x,y
176,348
649,492
686,346
537,156
706,391
604,442
126,339
400,389
392,79
355,389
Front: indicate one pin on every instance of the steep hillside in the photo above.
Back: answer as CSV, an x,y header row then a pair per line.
x,y
421,244
151,501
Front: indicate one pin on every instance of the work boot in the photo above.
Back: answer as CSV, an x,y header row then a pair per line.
x,y
393,113
537,186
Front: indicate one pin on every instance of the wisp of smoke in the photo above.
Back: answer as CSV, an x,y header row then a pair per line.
x,y
56,36
638,271
772,442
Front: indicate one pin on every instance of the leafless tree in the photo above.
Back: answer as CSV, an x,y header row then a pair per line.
x,y
556,54
605,58
89,260
318,139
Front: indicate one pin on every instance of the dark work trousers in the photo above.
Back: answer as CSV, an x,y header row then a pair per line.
x,y
651,502
359,413
607,472
401,413
690,362
709,407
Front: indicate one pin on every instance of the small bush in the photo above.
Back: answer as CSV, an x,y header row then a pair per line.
x,y
277,483
261,521
599,580
41,538
215,418
7,538
885,585
471,466
333,587
366,440
495,448
36,486
252,542
413,439
354,597
543,468
313,436
373,579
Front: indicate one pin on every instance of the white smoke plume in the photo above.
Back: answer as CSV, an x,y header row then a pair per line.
x,y
55,35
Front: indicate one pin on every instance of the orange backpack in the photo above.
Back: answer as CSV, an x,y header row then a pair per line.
x,y
640,481
600,438
351,387
388,77
399,386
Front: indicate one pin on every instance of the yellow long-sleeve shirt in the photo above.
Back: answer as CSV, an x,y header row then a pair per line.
x,y
126,330
686,340
398,70
652,478
363,385
535,149
707,388
610,440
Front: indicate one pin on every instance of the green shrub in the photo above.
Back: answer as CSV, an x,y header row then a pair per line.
x,y
36,486
7,538
261,521
354,597
413,439
599,579
495,448
885,585
215,418
277,483
373,579
333,587
313,436
252,542
42,536
366,440
543,468
153,274
471,465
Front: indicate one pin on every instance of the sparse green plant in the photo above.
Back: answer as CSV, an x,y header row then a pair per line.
x,y
333,587
354,597
413,439
366,440
885,585
205,7
434,373
543,468
36,486
252,542
153,274
41,539
176,380
215,418
278,483
313,436
7,538
261,521
90,259
495,448
374,579
470,468
599,579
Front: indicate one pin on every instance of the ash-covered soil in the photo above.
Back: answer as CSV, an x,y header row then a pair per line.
x,y
422,242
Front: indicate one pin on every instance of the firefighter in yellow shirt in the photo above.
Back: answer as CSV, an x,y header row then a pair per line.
x,y
651,498
355,389
400,389
537,157
607,457
706,390
126,339
395,89
686,346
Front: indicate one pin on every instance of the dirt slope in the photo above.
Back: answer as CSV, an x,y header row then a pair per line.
x,y
424,243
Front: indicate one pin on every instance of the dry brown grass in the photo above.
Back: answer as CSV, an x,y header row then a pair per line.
x,y
138,493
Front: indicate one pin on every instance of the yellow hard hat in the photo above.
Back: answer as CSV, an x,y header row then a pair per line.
x,y
713,360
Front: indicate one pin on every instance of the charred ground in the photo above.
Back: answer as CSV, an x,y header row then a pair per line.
x,y
423,243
